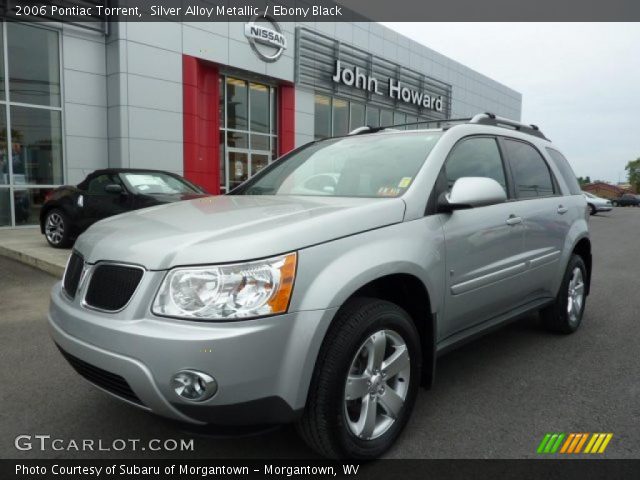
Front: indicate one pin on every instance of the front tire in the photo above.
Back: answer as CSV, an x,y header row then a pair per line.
x,y
56,229
365,382
615,204
565,315
593,209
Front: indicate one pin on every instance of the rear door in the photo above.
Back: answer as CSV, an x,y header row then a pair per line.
x,y
484,245
547,215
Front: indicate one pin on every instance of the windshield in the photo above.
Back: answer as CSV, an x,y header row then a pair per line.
x,y
152,183
358,166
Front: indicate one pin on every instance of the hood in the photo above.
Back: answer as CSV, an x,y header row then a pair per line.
x,y
231,228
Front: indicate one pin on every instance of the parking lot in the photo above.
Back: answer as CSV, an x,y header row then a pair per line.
x,y
493,398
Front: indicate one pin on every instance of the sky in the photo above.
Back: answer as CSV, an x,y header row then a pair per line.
x,y
580,82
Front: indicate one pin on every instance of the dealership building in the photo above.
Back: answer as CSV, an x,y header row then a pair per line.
x,y
215,102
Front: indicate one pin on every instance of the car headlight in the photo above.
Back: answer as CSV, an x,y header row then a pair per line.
x,y
242,290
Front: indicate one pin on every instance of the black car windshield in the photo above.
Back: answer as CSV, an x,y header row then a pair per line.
x,y
382,165
156,183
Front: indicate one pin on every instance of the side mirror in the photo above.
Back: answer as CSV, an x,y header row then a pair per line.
x,y
113,188
470,192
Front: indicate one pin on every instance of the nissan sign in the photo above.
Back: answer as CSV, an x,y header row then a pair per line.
x,y
265,37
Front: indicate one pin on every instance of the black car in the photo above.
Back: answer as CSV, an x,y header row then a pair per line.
x,y
626,200
69,211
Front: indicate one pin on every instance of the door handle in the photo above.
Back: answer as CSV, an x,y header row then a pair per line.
x,y
562,210
513,220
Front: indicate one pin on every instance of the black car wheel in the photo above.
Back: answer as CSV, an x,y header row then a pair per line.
x,y
56,229
614,203
593,209
365,381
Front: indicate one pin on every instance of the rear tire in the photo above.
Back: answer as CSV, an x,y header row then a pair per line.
x,y
565,314
614,203
56,229
365,381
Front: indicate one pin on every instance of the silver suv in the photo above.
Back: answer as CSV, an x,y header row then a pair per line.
x,y
322,290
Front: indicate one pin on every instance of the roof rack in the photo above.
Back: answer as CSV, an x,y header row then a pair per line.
x,y
493,120
479,119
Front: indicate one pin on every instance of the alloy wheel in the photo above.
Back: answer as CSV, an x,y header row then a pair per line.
x,y
377,384
575,297
54,228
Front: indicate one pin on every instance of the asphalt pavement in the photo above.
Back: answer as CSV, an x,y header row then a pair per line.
x,y
493,398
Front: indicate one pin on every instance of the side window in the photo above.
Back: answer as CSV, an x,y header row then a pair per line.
x,y
97,184
475,157
531,173
566,171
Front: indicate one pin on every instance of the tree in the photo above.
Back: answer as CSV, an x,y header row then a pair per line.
x,y
584,180
633,173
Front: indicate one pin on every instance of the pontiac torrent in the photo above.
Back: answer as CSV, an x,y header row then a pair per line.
x,y
322,290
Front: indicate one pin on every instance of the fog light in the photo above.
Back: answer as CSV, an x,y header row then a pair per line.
x,y
193,385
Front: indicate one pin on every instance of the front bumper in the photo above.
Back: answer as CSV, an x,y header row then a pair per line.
x,y
263,367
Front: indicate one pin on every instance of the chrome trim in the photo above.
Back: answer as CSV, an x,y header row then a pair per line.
x,y
487,279
89,277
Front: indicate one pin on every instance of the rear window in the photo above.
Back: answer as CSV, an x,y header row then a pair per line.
x,y
565,170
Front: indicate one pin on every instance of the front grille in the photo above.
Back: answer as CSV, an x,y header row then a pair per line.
x,y
111,286
109,381
72,274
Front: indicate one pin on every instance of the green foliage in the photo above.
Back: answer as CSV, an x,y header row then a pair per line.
x,y
584,180
633,173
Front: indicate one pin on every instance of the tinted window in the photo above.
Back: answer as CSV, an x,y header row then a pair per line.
x,y
97,184
530,172
475,157
566,171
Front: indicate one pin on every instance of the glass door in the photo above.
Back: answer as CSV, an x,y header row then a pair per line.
x,y
243,163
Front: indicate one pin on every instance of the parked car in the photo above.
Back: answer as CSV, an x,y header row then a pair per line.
x,y
597,204
626,200
70,210
330,309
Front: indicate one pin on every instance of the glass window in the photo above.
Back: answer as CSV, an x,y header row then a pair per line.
x,y
4,150
566,171
274,111
373,117
34,65
27,203
2,93
155,184
238,168
260,142
322,117
36,146
352,166
530,172
340,117
97,184
259,102
221,102
357,116
237,140
5,207
386,118
237,104
411,119
475,157
398,119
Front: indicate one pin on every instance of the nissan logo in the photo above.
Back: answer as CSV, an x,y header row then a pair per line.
x,y
268,42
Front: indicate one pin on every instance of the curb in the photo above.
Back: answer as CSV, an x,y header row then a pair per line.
x,y
27,259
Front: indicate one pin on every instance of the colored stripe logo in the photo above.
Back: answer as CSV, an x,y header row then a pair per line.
x,y
574,443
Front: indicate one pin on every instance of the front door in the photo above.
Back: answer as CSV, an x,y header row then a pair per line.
x,y
484,245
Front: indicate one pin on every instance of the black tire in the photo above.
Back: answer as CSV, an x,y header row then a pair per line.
x,y
556,317
614,203
63,238
593,209
324,424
